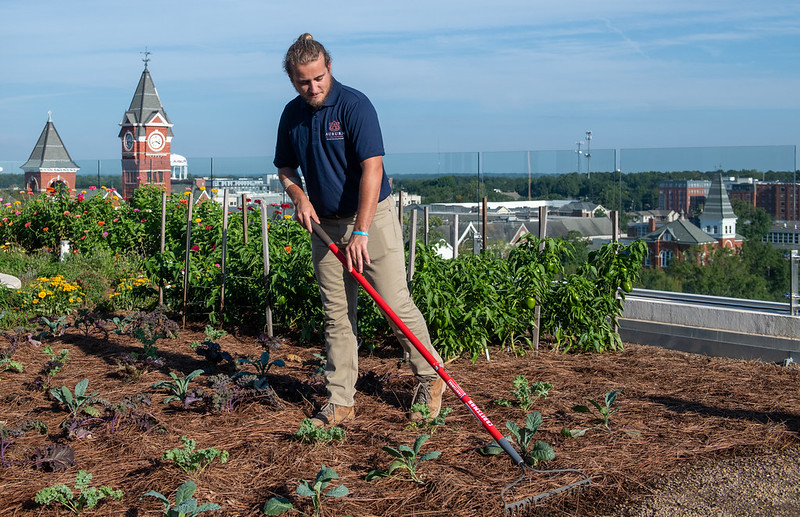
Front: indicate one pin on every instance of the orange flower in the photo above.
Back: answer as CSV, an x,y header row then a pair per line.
x,y
45,229
288,249
101,223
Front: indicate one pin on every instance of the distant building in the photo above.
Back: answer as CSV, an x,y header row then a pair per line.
x,y
581,209
647,221
146,136
179,167
780,200
682,196
717,229
49,163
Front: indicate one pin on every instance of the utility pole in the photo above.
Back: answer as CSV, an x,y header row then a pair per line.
x,y
589,161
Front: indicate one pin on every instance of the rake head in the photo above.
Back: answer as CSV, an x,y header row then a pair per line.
x,y
524,506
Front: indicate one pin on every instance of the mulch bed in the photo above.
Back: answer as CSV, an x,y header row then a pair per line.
x,y
675,409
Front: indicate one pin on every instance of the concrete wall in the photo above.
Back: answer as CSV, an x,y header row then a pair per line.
x,y
716,331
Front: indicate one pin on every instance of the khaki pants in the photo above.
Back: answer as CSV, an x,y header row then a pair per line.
x,y
339,291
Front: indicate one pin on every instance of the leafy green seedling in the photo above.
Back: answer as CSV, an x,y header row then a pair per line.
x,y
310,433
77,402
540,451
526,393
605,411
179,386
572,433
408,458
193,461
88,496
263,364
54,328
314,490
185,505
428,423
56,362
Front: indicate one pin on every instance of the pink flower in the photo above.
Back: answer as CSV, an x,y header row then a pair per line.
x,y
92,188
105,234
135,209
195,248
27,224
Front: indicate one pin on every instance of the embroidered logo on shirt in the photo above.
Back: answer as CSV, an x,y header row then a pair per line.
x,y
334,131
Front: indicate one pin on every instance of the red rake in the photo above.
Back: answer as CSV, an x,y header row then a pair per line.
x,y
510,507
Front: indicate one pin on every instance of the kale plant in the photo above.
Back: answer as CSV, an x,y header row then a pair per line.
x,y
8,435
87,497
310,433
532,453
408,458
604,411
314,490
193,461
185,504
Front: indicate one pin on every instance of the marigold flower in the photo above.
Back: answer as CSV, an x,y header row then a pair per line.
x,y
187,193
197,220
286,217
214,191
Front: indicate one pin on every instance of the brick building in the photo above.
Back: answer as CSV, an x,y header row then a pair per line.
x,y
717,228
49,163
146,136
682,196
778,199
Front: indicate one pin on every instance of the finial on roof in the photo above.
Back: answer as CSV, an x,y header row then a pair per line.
x,y
49,116
146,57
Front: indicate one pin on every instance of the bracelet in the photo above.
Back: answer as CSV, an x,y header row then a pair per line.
x,y
356,232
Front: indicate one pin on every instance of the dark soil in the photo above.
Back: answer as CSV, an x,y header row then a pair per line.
x,y
676,409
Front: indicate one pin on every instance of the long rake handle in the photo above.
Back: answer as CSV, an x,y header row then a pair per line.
x,y
460,393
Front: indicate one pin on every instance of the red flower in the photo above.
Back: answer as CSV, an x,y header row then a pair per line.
x,y
195,248
208,227
27,224
286,205
101,223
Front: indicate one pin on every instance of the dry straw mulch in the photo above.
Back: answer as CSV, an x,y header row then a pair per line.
x,y
675,409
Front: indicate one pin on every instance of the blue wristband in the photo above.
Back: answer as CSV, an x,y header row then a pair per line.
x,y
356,232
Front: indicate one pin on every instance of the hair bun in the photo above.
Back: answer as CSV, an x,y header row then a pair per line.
x,y
305,35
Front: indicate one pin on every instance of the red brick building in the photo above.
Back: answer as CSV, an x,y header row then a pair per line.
x,y
146,136
717,228
780,200
682,196
49,163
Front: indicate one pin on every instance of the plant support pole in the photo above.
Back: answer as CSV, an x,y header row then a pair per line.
x,y
244,217
537,312
223,268
265,248
162,247
412,245
186,259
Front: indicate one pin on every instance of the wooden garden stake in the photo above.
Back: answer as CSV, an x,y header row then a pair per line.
x,y
265,248
163,239
244,217
222,265
186,259
412,245
537,312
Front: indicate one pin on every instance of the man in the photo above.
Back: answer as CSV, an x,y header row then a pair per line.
x,y
331,132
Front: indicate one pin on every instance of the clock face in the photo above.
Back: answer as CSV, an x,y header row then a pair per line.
x,y
155,141
128,141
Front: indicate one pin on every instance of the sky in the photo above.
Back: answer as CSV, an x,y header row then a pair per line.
x,y
444,76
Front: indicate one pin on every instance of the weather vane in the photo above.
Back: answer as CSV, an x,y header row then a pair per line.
x,y
146,57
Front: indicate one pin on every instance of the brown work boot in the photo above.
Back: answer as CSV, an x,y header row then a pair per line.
x,y
331,414
428,393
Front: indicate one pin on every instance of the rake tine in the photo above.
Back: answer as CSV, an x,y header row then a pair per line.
x,y
522,505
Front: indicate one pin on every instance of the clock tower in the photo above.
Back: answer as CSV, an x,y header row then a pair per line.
x,y
146,135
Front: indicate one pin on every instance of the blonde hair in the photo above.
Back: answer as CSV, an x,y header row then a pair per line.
x,y
303,51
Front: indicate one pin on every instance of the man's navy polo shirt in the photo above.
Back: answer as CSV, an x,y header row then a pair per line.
x,y
329,145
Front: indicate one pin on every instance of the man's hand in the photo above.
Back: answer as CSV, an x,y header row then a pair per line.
x,y
356,253
304,213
